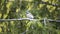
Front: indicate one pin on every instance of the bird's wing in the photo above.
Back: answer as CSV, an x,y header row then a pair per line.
x,y
30,15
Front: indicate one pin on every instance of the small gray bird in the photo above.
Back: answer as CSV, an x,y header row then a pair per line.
x,y
29,15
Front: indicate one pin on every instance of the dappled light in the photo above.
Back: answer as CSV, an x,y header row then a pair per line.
x,y
29,17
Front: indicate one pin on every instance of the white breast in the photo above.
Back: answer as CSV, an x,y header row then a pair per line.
x,y
30,16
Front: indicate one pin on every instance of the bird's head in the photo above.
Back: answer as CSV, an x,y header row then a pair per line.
x,y
27,12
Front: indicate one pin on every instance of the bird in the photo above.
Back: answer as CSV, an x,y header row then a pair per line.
x,y
29,15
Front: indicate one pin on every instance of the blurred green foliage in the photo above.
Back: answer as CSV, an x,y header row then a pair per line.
x,y
11,9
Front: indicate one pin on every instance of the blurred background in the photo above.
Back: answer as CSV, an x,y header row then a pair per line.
x,y
16,9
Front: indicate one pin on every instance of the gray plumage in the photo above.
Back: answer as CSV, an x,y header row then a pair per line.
x,y
29,15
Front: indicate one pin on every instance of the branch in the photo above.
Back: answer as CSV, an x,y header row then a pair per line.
x,y
16,19
51,20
